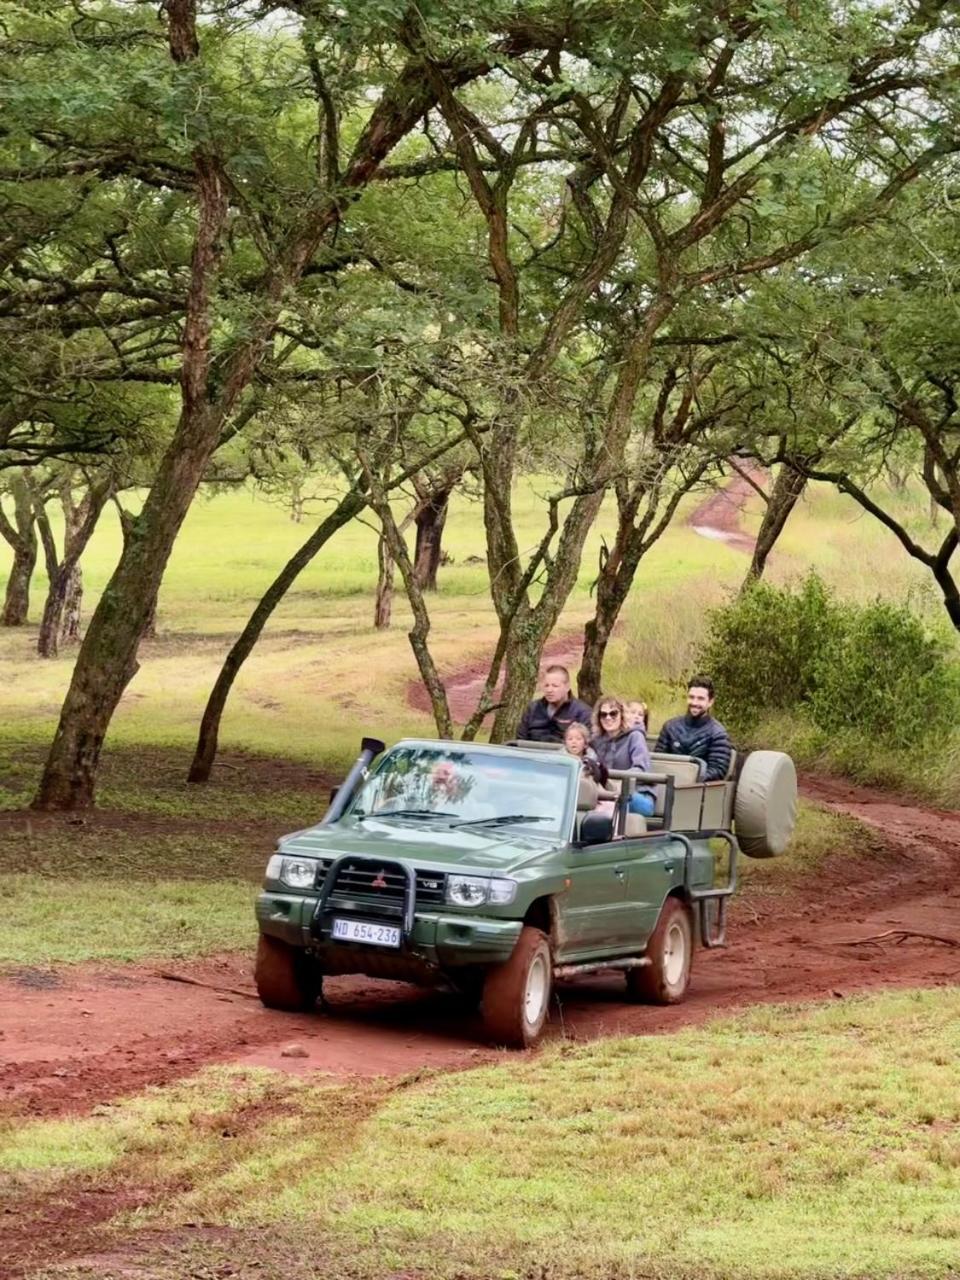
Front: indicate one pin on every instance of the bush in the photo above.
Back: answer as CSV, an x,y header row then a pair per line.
x,y
862,675
763,649
882,675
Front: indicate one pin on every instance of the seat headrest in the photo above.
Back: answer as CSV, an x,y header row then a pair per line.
x,y
596,828
588,794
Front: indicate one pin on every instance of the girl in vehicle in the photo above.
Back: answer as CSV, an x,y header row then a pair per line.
x,y
576,742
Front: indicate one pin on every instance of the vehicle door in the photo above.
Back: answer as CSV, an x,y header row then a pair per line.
x,y
594,919
653,864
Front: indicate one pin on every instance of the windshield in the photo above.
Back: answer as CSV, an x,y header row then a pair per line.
x,y
448,784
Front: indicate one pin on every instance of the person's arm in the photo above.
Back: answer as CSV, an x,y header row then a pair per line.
x,y
639,754
663,742
581,712
718,755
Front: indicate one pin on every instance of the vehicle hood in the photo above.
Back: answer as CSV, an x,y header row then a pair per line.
x,y
437,847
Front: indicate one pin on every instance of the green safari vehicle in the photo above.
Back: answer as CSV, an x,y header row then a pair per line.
x,y
497,870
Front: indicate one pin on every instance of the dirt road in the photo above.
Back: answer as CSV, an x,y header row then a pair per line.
x,y
74,1037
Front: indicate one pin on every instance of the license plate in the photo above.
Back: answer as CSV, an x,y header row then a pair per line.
x,y
374,935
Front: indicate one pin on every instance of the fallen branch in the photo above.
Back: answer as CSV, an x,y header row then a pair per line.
x,y
901,935
195,982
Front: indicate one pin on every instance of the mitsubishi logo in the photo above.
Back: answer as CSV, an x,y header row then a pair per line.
x,y
379,881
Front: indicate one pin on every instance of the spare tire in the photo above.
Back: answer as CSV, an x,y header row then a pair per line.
x,y
765,808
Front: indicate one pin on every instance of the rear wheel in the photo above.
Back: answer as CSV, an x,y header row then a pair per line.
x,y
670,952
286,977
516,995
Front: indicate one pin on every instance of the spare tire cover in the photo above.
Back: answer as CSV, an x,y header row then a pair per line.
x,y
765,809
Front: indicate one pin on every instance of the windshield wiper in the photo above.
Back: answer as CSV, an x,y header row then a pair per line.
x,y
503,818
405,813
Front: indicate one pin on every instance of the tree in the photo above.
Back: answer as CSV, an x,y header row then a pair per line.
x,y
784,495
61,611
288,231
21,536
878,325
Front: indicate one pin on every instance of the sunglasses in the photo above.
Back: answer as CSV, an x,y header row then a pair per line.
x,y
609,715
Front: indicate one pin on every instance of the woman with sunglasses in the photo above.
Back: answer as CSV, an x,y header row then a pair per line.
x,y
619,746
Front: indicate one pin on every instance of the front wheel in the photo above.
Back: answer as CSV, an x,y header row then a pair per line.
x,y
516,995
670,951
286,977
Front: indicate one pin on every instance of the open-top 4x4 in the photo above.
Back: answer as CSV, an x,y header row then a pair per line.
x,y
498,869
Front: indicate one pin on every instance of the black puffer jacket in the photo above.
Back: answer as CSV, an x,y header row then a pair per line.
x,y
540,723
699,736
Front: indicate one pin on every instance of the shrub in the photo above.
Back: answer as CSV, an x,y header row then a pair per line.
x,y
763,649
862,675
884,676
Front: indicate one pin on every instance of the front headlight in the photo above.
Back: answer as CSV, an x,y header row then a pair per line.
x,y
298,873
474,891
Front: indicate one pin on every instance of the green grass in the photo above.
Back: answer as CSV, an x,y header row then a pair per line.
x,y
816,1141
73,919
162,869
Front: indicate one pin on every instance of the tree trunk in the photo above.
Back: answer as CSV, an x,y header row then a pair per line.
x,y
150,626
16,601
430,519
107,660
383,603
787,489
634,539
612,591
72,601
521,660
349,506
22,538
65,582
48,637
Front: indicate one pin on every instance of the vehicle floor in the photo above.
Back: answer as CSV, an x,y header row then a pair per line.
x,y
75,1037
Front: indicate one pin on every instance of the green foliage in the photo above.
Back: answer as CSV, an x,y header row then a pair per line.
x,y
763,649
882,674
872,672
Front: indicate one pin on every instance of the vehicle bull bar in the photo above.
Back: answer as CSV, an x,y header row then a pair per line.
x,y
378,864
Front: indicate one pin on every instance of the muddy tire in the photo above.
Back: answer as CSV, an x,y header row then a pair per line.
x,y
670,951
516,995
286,977
765,808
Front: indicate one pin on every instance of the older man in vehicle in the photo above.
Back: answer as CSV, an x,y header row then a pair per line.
x,y
697,733
546,718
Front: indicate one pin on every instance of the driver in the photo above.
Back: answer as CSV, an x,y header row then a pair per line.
x,y
446,785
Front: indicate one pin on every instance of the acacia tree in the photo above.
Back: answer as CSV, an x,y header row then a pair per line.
x,y
287,225
675,174
879,323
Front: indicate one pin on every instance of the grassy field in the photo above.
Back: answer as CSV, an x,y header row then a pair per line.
x,y
322,675
783,1142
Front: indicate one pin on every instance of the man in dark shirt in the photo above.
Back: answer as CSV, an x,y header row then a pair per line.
x,y
546,718
697,733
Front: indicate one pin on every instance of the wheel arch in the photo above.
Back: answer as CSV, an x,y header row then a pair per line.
x,y
542,914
